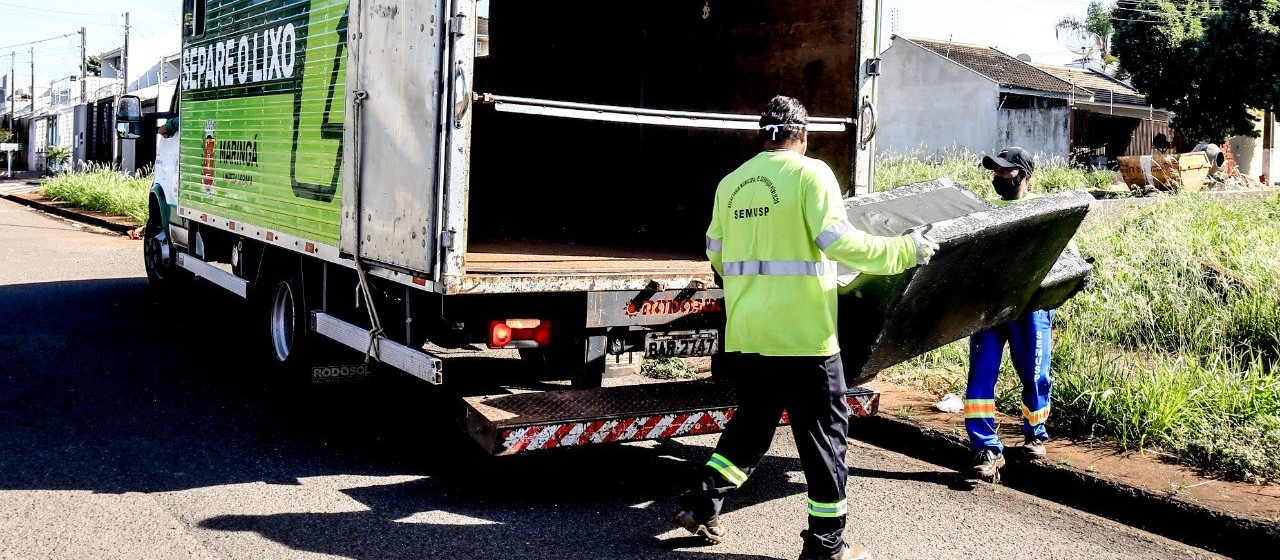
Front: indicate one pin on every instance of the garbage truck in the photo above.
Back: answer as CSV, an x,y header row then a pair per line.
x,y
414,180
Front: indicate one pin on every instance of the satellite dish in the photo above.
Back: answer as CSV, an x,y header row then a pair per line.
x,y
1080,42
1024,57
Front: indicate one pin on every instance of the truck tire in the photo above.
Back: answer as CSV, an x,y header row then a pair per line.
x,y
159,256
288,345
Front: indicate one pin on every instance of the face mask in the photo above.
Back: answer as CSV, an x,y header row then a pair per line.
x,y
1007,187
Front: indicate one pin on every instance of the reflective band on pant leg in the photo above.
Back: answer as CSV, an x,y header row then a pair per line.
x,y
727,469
821,509
979,408
1035,417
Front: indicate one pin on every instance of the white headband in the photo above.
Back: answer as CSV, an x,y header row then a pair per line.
x,y
773,128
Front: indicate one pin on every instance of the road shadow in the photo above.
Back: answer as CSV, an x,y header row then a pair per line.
x,y
953,480
109,391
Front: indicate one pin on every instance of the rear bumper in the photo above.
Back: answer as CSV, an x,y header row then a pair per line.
x,y
510,424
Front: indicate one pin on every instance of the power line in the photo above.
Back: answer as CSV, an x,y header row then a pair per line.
x,y
51,10
55,18
41,40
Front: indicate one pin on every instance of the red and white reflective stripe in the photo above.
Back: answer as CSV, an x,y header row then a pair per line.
x,y
863,405
604,431
860,406
531,438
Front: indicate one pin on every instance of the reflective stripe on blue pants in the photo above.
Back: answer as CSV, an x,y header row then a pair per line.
x,y
812,390
1030,346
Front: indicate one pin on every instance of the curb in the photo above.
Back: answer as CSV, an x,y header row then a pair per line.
x,y
1154,512
72,214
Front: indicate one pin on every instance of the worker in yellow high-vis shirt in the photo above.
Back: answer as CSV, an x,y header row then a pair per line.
x,y
778,228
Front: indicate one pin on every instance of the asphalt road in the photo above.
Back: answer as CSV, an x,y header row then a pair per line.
x,y
131,429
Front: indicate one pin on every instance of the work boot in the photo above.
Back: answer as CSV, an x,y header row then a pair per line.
x,y
1033,447
711,530
987,463
848,552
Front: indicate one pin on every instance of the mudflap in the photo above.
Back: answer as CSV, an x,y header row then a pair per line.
x,y
517,423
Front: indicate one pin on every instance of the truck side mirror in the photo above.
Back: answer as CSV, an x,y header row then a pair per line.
x,y
128,117
128,130
129,109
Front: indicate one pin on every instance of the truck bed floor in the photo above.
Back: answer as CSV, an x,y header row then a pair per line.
x,y
538,257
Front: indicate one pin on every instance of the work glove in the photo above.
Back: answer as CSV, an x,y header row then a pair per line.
x,y
925,247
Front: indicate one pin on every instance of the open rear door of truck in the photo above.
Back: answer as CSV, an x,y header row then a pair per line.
x,y
393,134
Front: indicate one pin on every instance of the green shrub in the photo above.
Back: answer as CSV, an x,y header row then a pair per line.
x,y
667,368
56,156
964,167
102,188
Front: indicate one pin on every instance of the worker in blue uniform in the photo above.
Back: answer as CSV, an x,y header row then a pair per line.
x,y
1029,341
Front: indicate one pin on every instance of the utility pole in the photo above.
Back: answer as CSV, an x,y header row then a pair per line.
x,y
33,81
126,53
13,84
84,69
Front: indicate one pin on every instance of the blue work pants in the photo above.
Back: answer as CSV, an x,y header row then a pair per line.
x,y
1029,340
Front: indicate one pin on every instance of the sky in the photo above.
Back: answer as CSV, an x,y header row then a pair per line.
x,y
24,21
1014,26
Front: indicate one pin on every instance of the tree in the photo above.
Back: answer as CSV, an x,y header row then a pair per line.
x,y
1208,62
94,66
1089,37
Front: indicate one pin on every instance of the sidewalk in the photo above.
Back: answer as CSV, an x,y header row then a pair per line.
x,y
1234,518
24,188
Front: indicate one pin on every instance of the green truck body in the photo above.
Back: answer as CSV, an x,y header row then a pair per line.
x,y
263,104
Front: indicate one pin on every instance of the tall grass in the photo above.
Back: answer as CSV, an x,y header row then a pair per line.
x,y
1052,174
1174,346
102,188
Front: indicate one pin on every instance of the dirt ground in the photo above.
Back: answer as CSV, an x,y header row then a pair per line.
x,y
1148,471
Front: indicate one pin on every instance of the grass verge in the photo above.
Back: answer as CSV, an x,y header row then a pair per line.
x,y
1175,345
964,167
102,188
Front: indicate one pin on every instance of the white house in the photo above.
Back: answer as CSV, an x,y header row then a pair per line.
x,y
936,95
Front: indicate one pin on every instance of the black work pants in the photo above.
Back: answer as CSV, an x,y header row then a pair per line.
x,y
812,391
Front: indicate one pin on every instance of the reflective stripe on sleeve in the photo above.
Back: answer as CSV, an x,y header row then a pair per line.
x,y
779,268
832,234
714,244
727,469
822,509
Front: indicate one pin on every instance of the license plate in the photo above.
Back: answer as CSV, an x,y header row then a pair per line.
x,y
680,344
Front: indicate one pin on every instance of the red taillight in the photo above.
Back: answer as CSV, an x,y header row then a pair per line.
x,y
519,333
499,334
542,333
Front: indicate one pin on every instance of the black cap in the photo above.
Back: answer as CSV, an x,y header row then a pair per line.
x,y
1010,158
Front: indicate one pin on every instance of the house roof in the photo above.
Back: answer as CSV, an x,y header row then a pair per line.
x,y
1104,88
997,66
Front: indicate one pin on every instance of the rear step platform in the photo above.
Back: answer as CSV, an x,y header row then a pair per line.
x,y
510,424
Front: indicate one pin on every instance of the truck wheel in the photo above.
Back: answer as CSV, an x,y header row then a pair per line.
x,y
158,256
288,345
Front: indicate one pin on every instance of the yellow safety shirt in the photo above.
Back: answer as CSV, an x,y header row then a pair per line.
x,y
777,229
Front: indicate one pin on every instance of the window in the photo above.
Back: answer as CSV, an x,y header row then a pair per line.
x,y
52,131
193,17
